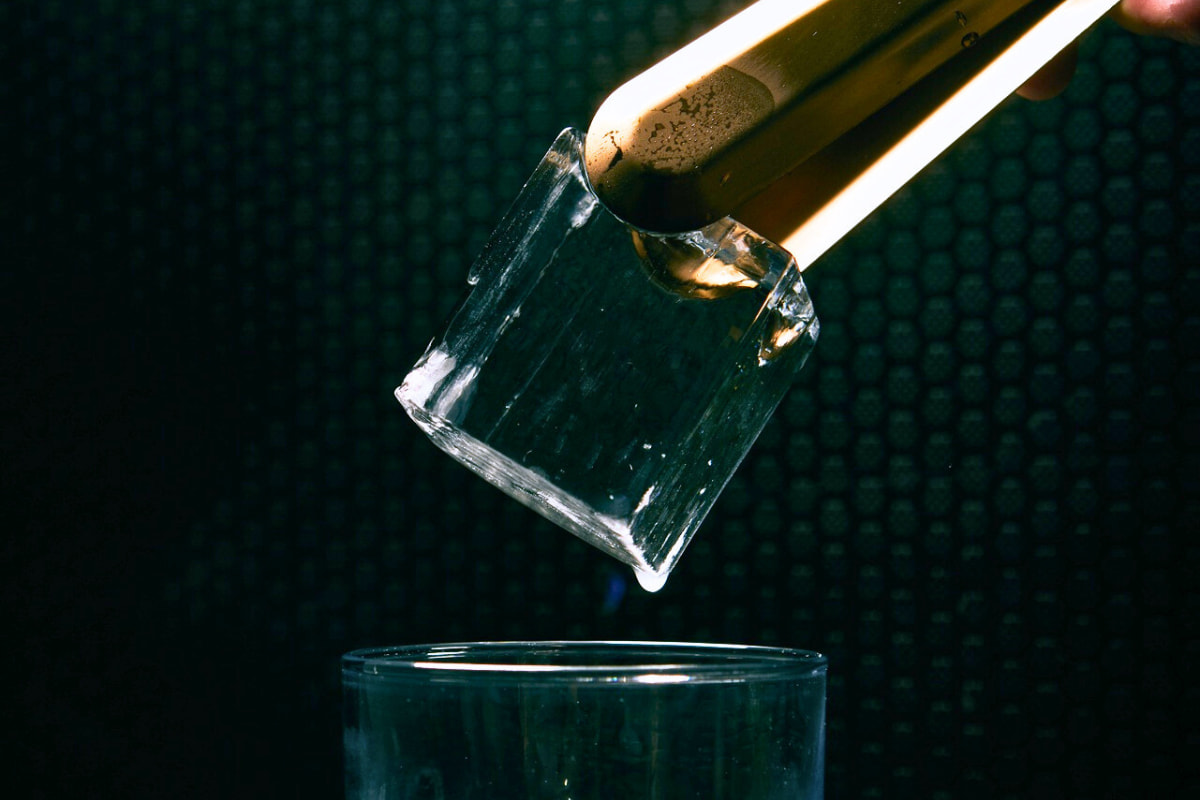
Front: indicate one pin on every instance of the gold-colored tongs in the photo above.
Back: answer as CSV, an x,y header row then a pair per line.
x,y
800,117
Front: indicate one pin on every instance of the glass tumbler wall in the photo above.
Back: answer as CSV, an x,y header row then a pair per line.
x,y
583,720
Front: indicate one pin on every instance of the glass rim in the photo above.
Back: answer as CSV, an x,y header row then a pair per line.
x,y
599,662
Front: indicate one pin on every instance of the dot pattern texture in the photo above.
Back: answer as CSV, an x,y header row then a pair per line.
x,y
232,226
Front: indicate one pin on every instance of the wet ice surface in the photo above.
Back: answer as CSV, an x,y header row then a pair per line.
x,y
609,379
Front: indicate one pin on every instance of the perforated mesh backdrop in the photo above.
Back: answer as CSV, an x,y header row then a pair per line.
x,y
237,224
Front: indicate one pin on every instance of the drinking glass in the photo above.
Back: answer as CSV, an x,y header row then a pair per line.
x,y
584,721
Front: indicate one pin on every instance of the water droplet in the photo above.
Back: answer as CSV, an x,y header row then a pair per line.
x,y
650,581
970,39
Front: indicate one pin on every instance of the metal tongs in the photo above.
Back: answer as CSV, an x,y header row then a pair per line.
x,y
619,407
800,117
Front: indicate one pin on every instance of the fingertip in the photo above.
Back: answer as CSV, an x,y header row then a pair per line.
x,y
1176,19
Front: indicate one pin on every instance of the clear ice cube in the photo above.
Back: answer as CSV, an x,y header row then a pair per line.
x,y
609,378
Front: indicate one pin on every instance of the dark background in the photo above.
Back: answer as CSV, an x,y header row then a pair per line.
x,y
228,229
